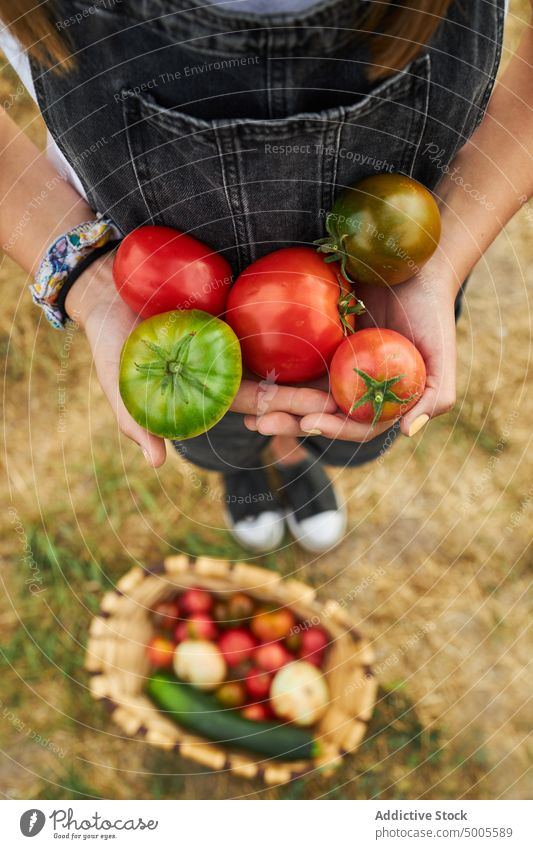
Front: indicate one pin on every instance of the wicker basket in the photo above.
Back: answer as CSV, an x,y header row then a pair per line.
x,y
116,660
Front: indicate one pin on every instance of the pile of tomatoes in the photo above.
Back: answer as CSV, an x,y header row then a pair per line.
x,y
258,659
289,317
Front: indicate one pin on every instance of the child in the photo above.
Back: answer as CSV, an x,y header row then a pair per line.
x,y
240,122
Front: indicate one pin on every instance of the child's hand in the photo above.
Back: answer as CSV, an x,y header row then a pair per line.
x,y
421,309
95,304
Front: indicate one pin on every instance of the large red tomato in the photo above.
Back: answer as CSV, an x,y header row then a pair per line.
x,y
377,375
157,269
290,312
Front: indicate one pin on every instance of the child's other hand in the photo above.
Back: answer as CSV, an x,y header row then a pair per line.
x,y
421,309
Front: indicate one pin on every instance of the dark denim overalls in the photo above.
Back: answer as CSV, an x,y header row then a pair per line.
x,y
242,129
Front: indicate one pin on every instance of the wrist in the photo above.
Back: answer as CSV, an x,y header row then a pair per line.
x,y
92,289
439,277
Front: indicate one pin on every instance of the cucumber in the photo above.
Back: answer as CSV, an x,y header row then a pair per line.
x,y
202,714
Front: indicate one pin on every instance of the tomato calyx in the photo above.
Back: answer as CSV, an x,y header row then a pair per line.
x,y
378,393
333,246
171,365
346,307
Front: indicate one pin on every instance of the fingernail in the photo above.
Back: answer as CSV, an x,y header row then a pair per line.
x,y
418,424
313,432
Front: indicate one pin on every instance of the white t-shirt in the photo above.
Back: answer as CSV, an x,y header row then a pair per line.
x,y
20,63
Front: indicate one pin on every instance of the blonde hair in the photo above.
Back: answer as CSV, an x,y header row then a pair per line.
x,y
396,31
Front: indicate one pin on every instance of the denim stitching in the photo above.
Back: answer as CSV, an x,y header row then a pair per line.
x,y
222,161
425,110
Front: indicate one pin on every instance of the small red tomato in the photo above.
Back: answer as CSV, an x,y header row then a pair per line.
x,y
166,614
157,269
240,606
257,712
236,645
377,375
272,656
181,633
196,600
314,643
160,652
258,683
269,625
200,626
231,694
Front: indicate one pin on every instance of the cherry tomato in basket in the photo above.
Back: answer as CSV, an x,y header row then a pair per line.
x,y
258,712
272,656
240,607
290,312
377,375
258,683
166,614
382,230
200,626
270,625
314,643
157,269
160,652
237,645
196,600
231,694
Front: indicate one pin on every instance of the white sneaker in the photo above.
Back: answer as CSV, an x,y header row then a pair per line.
x,y
316,518
321,532
252,512
260,533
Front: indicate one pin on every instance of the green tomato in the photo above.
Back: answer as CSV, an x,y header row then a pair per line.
x,y
179,372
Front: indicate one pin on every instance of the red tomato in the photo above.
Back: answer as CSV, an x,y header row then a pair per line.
x,y
196,601
157,269
270,625
314,643
257,712
272,656
182,632
166,614
290,313
200,626
160,652
258,683
377,375
231,694
236,645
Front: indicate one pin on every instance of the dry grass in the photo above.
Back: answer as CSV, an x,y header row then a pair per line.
x,y
437,564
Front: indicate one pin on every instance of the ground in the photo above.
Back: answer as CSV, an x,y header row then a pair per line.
x,y
437,563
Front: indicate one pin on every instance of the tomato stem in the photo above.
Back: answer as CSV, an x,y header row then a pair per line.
x,y
346,306
378,393
171,365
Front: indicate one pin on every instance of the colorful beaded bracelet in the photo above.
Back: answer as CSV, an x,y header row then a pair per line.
x,y
61,258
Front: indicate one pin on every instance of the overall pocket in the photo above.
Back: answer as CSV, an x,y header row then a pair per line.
x,y
247,187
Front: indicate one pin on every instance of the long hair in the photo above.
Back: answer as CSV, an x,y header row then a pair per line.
x,y
396,31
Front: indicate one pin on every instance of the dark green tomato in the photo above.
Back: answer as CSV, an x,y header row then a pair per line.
x,y
382,230
179,372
